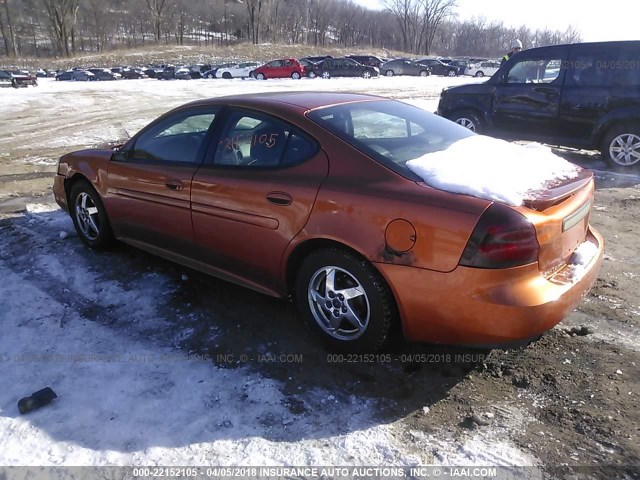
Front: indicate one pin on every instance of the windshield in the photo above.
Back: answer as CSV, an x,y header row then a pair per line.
x,y
389,131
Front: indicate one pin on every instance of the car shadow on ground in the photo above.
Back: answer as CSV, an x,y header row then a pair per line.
x,y
234,334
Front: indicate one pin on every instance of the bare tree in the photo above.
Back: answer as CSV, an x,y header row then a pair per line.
x,y
10,35
62,16
156,7
253,9
433,13
404,11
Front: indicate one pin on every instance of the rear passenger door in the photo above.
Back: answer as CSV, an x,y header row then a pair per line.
x,y
527,97
254,196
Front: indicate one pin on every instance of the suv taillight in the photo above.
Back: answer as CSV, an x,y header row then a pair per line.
x,y
503,238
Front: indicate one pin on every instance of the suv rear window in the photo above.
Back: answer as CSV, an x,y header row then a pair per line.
x,y
605,68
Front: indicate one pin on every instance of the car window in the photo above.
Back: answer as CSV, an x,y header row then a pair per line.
x,y
605,67
535,71
259,141
390,132
179,138
369,123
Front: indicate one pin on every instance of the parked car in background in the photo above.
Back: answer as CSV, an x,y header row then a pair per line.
x,y
404,66
283,68
211,73
197,71
23,78
41,73
343,67
238,70
76,75
153,71
175,73
7,80
461,64
482,69
283,175
438,68
584,95
368,60
133,73
102,74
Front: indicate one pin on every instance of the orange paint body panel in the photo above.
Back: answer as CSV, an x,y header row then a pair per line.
x,y
249,227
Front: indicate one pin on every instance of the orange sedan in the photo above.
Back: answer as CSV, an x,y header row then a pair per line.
x,y
309,195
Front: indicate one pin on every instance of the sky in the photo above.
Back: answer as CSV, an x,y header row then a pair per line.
x,y
618,21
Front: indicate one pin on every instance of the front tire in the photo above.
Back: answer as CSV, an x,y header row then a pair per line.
x,y
479,74
345,301
227,76
451,73
389,73
89,215
260,76
424,73
621,145
468,119
366,74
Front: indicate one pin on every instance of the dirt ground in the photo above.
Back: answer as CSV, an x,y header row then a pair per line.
x,y
569,399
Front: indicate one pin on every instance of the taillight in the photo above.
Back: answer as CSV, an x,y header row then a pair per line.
x,y
502,238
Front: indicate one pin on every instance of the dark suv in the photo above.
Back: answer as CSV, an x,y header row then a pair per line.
x,y
584,95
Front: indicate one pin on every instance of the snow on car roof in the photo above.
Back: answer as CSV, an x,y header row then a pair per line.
x,y
492,169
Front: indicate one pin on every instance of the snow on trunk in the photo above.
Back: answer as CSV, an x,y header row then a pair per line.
x,y
492,169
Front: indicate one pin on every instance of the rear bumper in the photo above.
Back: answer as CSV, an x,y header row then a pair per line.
x,y
59,192
485,308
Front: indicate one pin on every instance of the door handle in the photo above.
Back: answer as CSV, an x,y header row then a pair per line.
x,y
174,185
279,198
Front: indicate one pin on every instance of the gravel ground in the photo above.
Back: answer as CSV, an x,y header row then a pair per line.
x,y
571,398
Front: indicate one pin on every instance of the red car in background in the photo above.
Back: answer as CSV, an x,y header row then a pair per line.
x,y
283,68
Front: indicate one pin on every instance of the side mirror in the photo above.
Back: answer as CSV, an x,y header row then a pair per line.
x,y
119,155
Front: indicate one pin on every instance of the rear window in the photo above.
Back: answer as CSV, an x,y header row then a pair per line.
x,y
605,67
390,132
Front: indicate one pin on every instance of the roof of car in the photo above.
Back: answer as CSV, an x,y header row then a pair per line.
x,y
306,100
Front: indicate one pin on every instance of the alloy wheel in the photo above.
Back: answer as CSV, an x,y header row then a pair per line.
x,y
625,149
339,303
466,123
87,216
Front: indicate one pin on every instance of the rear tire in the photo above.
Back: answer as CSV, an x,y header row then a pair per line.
x,y
345,301
89,215
468,119
326,75
621,145
295,76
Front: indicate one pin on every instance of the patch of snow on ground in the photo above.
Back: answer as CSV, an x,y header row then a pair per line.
x,y
492,169
484,445
122,401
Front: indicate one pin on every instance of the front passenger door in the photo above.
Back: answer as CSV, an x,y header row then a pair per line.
x,y
149,185
527,98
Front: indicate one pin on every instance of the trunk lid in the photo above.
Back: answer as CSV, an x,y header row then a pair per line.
x,y
560,214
